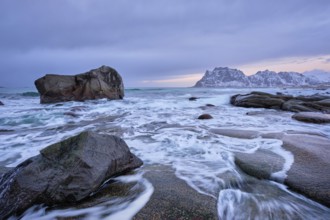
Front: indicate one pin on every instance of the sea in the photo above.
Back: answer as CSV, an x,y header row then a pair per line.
x,y
160,126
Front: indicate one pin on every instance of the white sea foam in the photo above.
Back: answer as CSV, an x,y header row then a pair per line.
x,y
161,127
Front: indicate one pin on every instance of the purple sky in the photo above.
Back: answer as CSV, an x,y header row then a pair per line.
x,y
160,42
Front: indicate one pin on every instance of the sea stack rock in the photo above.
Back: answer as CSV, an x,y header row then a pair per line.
x,y
65,172
103,82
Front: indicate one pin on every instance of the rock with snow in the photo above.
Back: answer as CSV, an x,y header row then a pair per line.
x,y
320,75
226,77
223,77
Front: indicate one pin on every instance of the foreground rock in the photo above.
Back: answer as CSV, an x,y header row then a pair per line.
x,y
104,82
312,117
66,172
314,103
308,174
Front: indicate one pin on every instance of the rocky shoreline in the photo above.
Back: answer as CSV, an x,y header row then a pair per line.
x,y
69,172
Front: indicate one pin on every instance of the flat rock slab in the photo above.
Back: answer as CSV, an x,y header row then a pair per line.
x,y
312,117
173,198
236,133
261,164
309,174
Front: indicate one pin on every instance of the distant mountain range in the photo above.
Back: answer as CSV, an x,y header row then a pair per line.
x,y
226,77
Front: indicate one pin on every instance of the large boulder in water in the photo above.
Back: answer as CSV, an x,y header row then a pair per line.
x,y
65,172
104,82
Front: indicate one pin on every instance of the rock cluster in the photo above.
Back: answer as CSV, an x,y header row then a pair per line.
x,y
104,82
65,172
314,103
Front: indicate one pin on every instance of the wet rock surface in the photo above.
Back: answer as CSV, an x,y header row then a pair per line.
x,y
308,174
65,172
245,134
312,117
104,82
261,164
313,103
173,198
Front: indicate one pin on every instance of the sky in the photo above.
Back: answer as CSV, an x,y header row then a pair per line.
x,y
154,43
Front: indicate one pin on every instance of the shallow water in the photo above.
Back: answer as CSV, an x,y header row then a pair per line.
x,y
161,126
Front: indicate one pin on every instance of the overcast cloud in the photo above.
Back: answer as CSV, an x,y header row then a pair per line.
x,y
148,40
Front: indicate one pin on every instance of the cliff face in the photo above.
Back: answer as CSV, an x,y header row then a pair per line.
x,y
226,77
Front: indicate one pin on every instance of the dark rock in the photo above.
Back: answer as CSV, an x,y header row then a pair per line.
x,y
296,106
210,105
257,100
312,117
173,198
1,103
104,82
318,103
205,116
6,130
72,114
193,98
65,172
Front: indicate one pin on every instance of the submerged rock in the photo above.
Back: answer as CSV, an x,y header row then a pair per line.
x,y
245,134
205,116
314,103
104,82
312,117
1,103
193,98
65,172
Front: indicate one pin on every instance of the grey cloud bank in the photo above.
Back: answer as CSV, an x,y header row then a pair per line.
x,y
150,40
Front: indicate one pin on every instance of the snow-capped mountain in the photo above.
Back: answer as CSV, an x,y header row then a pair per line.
x,y
321,75
226,77
223,77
